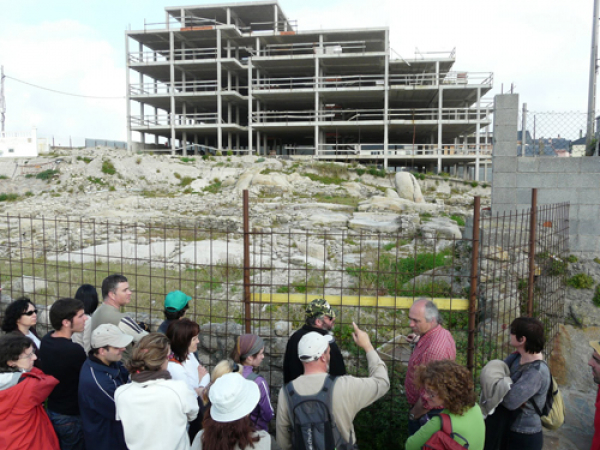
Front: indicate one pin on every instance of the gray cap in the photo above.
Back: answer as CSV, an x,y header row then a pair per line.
x,y
109,334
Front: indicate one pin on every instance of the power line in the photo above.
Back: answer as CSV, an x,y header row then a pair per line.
x,y
62,92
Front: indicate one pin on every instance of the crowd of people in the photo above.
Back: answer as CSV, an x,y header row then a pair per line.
x,y
107,383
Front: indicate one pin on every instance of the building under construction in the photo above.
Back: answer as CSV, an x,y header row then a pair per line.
x,y
241,77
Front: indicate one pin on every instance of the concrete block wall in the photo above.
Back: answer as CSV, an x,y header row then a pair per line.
x,y
573,180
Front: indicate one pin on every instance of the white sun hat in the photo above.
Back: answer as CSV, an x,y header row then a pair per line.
x,y
232,397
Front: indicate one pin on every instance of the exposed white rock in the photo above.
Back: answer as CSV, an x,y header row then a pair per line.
x,y
408,187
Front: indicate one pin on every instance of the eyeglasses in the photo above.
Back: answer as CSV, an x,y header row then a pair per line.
x,y
431,394
28,355
30,313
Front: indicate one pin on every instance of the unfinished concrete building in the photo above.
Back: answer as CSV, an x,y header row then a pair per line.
x,y
241,77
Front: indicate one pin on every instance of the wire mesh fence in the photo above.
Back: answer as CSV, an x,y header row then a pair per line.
x,y
260,281
552,133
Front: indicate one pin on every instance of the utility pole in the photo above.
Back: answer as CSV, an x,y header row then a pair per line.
x,y
592,86
2,99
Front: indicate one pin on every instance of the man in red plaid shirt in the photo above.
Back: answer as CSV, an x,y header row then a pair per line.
x,y
431,343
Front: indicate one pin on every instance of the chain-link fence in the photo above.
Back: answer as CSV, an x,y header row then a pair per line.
x,y
259,281
551,133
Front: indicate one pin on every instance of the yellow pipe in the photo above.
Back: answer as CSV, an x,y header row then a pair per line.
x,y
445,304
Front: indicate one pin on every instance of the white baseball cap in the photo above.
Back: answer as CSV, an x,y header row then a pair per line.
x,y
312,346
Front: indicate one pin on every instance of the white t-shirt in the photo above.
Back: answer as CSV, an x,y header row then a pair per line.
x,y
35,340
188,372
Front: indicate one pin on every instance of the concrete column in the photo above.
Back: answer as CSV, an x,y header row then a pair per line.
x,y
439,137
386,101
504,153
317,100
250,105
172,89
275,17
219,93
437,73
128,96
477,132
228,12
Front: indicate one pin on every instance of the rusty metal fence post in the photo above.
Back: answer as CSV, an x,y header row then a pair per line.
x,y
532,226
247,309
473,289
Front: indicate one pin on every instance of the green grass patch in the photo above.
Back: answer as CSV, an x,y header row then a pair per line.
x,y
283,290
8,197
572,259
387,275
85,159
47,175
325,179
213,188
581,281
96,180
186,181
186,159
3,177
460,221
108,168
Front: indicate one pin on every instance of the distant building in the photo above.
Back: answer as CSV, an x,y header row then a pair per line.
x,y
20,144
240,77
578,147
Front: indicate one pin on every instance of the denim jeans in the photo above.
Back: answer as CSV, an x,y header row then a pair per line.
x,y
69,430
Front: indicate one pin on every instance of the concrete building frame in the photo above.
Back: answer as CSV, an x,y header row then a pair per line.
x,y
241,77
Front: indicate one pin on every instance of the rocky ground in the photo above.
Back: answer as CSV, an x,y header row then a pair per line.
x,y
288,194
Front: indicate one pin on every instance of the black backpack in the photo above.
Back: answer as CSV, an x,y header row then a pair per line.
x,y
312,423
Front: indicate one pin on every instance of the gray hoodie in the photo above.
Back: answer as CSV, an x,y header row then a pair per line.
x,y
9,379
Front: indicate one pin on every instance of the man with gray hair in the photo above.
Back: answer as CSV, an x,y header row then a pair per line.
x,y
431,343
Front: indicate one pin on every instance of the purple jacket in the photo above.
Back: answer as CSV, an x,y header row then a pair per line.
x,y
263,413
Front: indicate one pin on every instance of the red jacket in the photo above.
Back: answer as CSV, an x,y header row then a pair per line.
x,y
596,441
25,424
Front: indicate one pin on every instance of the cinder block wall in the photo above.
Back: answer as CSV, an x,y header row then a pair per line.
x,y
574,180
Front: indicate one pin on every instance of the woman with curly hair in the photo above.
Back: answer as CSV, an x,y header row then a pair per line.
x,y
227,423
154,409
450,386
20,318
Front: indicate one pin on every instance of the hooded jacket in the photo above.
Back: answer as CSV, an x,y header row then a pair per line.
x,y
97,385
495,383
25,424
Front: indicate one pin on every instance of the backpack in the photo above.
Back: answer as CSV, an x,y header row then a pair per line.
x,y
312,423
553,412
444,439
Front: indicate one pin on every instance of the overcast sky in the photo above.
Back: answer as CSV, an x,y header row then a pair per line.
x,y
79,47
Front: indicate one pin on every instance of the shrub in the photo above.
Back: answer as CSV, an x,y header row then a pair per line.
x,y
259,160
374,171
176,175
204,157
360,172
596,298
85,159
229,153
418,175
597,260
10,197
108,168
186,181
95,180
213,188
138,160
185,159
3,177
47,174
474,184
580,281
572,259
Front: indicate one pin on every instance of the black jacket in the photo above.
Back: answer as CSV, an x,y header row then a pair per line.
x,y
292,366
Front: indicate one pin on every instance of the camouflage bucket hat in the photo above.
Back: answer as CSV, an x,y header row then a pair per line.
x,y
319,307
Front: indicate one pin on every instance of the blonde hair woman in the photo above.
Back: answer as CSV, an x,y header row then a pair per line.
x,y
154,409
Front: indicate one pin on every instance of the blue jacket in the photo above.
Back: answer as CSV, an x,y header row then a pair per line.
x,y
97,385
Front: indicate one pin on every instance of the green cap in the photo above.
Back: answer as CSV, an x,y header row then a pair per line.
x,y
176,300
319,307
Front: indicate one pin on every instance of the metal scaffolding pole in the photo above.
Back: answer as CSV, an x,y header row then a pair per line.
x,y
593,71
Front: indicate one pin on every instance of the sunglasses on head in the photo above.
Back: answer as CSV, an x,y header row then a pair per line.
x,y
30,313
